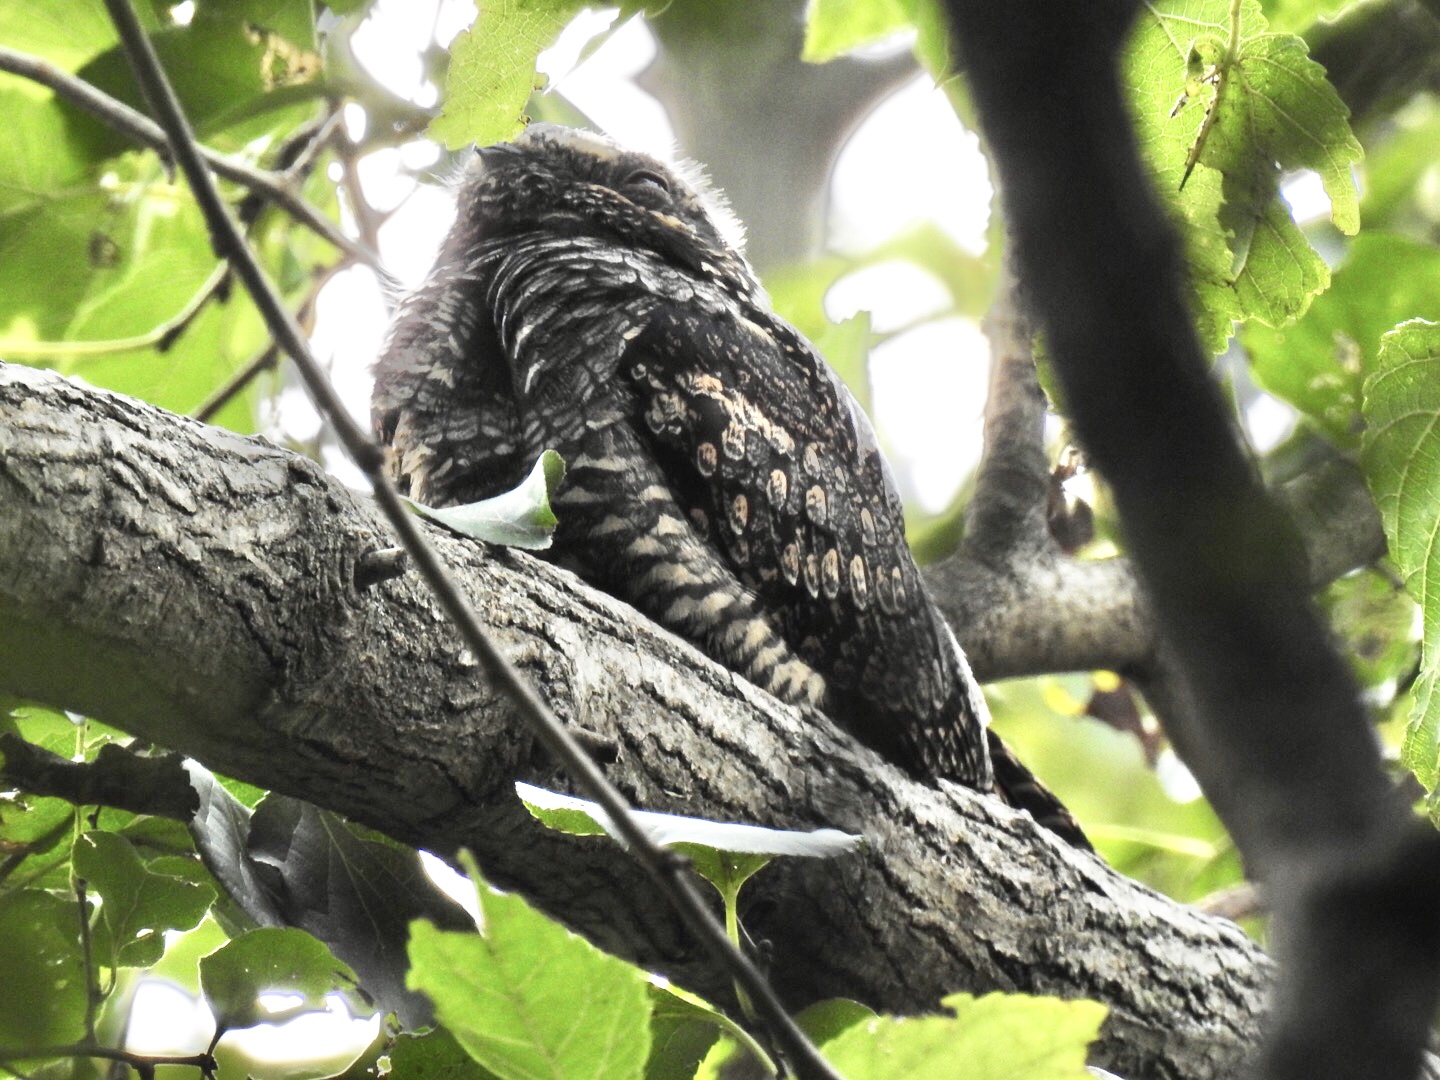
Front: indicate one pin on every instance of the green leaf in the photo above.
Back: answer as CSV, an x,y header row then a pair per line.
x,y
492,70
268,960
1221,108
827,1020
1299,14
137,904
528,999
683,1028
584,818
42,992
434,1056
836,27
997,1037
1320,363
1401,457
521,517
354,890
1375,620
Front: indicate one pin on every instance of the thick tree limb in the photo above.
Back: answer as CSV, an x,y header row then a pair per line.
x,y
199,589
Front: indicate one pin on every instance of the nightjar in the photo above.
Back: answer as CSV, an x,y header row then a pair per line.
x,y
721,479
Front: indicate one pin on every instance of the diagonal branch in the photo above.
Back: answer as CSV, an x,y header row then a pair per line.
x,y
204,591
143,130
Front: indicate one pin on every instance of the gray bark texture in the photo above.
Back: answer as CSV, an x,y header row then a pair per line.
x,y
198,589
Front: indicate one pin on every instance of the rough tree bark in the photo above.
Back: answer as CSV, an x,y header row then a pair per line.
x,y
198,589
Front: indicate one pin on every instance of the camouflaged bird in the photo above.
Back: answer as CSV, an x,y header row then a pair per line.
x,y
721,479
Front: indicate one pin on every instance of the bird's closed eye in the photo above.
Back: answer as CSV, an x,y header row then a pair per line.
x,y
644,178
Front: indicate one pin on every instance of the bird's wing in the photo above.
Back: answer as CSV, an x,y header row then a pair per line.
x,y
775,463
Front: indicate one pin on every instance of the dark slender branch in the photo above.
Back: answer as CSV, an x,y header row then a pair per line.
x,y
117,777
142,129
263,361
1277,736
91,1049
1005,521
268,356
668,870
87,961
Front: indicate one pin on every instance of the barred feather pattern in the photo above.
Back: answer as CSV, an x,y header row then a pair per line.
x,y
721,479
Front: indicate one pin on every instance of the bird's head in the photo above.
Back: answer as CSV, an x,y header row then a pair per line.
x,y
568,181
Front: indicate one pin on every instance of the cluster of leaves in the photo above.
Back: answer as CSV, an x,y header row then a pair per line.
x,y
109,275
258,895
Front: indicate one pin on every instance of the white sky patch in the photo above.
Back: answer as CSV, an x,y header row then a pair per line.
x,y
603,88
896,293
1305,193
909,161
164,1019
561,58
1176,780
327,1036
1269,421
453,884
928,388
389,43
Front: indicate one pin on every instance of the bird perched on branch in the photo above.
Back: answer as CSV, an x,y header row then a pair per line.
x,y
721,478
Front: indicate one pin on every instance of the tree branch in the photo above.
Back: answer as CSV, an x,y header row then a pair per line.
x,y
139,127
199,590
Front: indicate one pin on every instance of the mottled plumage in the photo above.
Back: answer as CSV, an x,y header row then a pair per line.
x,y
720,479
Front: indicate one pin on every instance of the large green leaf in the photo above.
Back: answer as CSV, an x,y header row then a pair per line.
x,y
1221,106
996,1037
836,27
137,904
530,1000
1402,464
271,960
42,990
1320,363
492,70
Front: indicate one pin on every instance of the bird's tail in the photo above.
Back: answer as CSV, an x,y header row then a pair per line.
x,y
1020,789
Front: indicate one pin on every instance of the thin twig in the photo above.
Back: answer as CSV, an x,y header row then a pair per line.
x,y
87,958
142,129
667,868
92,1049
264,360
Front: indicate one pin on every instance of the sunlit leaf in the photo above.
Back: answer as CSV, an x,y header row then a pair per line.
x,y
1221,108
569,814
1320,363
528,999
492,70
997,1037
836,27
273,960
1402,464
138,904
